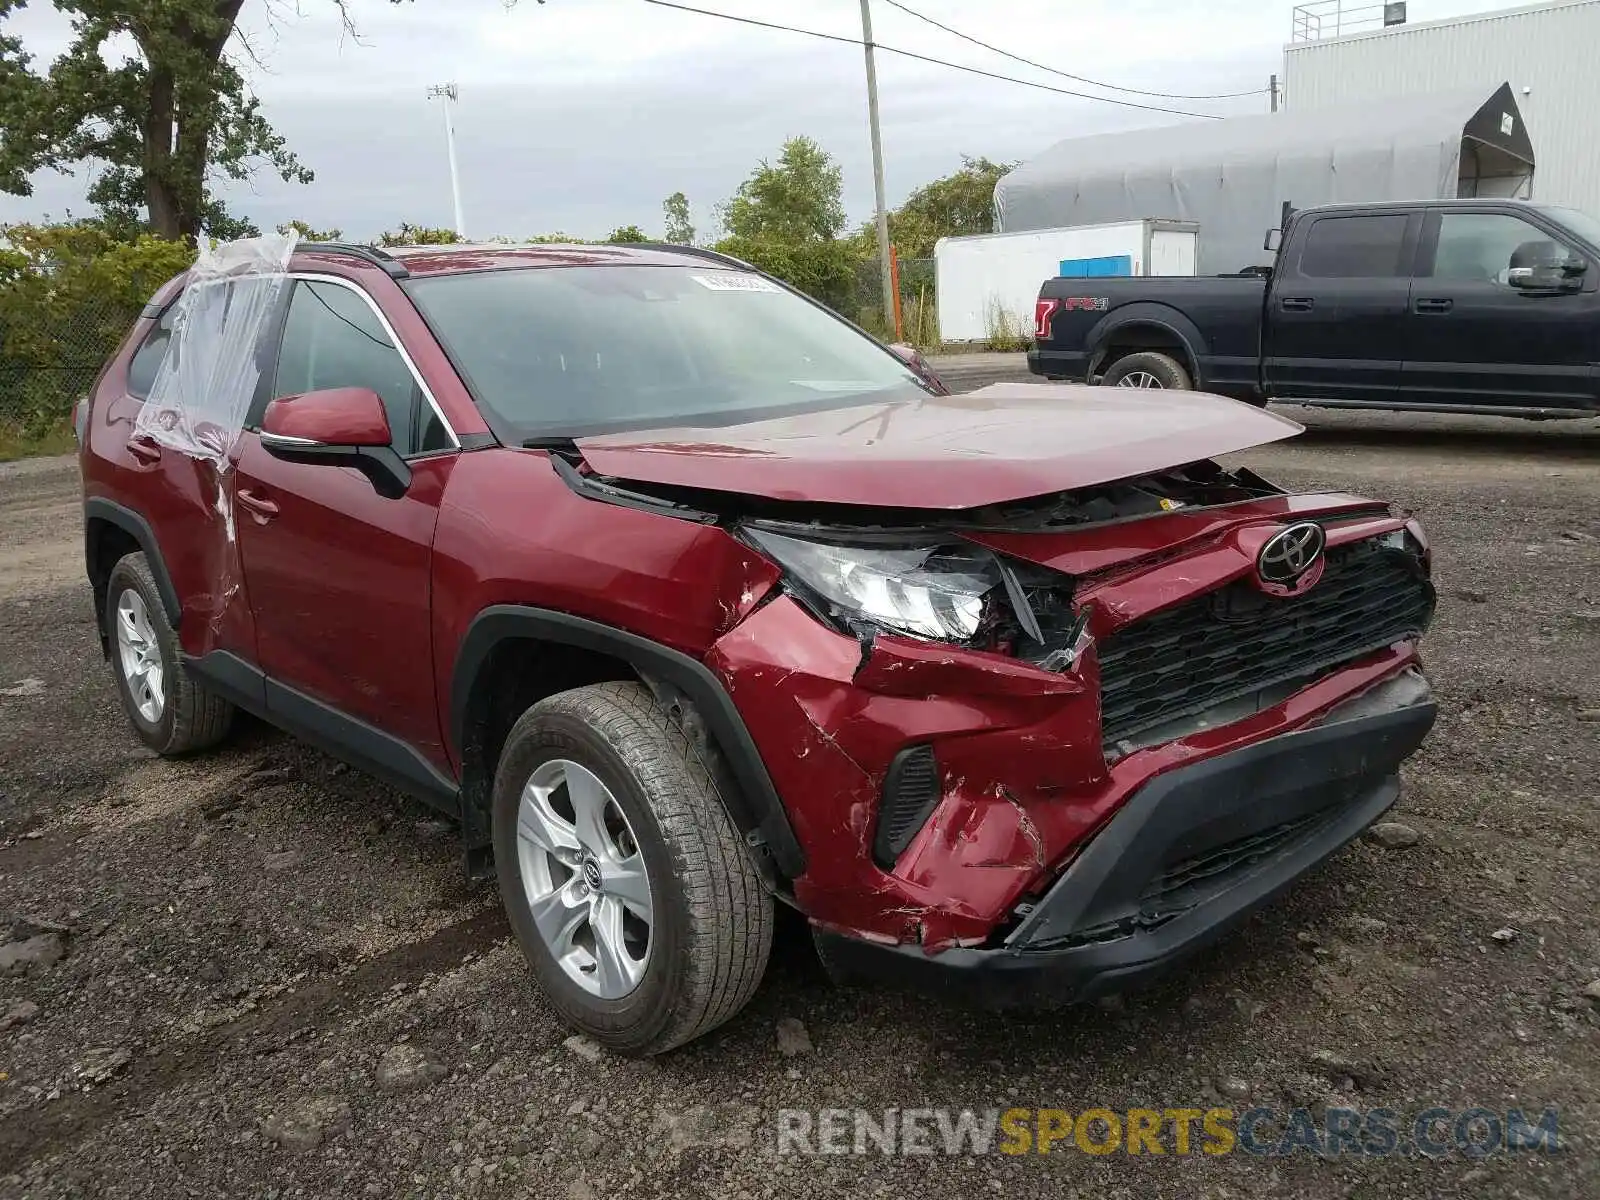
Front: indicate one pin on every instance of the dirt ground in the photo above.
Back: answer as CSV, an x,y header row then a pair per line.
x,y
219,957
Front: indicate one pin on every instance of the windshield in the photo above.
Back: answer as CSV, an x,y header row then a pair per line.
x,y
565,351
1579,222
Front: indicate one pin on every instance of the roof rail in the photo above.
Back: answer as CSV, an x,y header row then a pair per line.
x,y
391,265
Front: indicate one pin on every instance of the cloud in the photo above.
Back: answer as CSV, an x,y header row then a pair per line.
x,y
582,115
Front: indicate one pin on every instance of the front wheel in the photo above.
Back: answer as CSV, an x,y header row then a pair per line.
x,y
625,882
1147,369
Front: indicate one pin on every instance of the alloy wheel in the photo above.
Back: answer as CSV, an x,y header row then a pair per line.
x,y
139,654
1140,379
585,878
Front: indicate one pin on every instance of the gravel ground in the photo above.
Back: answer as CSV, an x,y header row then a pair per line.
x,y
260,973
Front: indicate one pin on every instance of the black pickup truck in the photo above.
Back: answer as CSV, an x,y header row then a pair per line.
x,y
1483,306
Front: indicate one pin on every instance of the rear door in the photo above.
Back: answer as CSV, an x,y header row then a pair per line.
x,y
339,577
1335,319
180,500
1472,338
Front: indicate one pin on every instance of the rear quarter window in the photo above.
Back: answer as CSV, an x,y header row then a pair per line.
x,y
147,358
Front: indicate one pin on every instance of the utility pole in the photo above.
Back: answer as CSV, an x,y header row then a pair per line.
x,y
447,93
1273,88
877,167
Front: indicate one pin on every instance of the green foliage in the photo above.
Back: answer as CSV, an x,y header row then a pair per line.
x,y
159,124
797,200
628,233
825,271
68,294
680,229
554,239
955,206
418,235
308,234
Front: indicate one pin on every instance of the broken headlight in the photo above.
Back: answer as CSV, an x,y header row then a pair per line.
x,y
933,591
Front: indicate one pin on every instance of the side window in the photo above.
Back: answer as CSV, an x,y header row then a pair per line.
x,y
1354,247
147,358
1483,247
332,339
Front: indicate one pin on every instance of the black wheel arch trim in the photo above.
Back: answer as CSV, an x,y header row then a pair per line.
x,y
1155,316
99,509
755,807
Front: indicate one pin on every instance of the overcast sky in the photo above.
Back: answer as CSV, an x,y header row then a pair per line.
x,y
582,115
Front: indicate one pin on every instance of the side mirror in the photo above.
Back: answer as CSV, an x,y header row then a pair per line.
x,y
1273,240
1566,276
345,427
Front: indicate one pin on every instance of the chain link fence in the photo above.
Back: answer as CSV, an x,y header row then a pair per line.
x,y
50,354
919,321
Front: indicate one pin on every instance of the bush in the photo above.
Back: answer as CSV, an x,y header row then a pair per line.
x,y
825,271
68,294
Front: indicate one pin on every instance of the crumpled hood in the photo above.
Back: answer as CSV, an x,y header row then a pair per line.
x,y
1005,442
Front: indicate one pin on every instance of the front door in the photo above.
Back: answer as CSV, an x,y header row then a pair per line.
x,y
339,577
1472,338
1335,319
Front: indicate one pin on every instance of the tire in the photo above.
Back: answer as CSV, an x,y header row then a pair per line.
x,y
709,926
1153,369
171,711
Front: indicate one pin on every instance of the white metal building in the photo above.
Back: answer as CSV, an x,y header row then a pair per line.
x,y
1546,51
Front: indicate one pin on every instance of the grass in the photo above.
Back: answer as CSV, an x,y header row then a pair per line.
x,y
1005,329
15,442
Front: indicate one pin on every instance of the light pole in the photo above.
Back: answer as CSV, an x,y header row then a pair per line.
x,y
447,93
877,168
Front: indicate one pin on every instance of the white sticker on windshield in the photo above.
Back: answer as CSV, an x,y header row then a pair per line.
x,y
728,281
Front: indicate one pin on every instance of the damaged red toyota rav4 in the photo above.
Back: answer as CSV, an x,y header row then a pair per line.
x,y
688,599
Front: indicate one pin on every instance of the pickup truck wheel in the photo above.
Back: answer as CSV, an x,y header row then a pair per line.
x,y
171,712
1147,369
626,884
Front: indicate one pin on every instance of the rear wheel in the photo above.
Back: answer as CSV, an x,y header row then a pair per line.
x,y
626,884
171,712
1147,369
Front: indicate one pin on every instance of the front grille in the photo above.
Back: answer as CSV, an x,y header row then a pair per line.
x,y
1175,889
1237,642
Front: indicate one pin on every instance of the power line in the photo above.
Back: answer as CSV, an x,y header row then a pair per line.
x,y
1110,87
938,62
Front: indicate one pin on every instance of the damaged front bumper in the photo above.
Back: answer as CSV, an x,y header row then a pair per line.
x,y
1186,858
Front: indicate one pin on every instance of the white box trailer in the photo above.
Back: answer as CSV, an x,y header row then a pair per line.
x,y
988,283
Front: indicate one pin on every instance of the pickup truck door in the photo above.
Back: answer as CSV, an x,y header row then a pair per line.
x,y
1334,325
1472,338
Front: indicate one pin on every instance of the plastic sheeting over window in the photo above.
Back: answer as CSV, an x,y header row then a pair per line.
x,y
214,359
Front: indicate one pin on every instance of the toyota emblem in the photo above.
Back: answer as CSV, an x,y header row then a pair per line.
x,y
1292,559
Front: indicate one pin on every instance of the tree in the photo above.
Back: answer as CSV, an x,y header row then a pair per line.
x,y
161,125
955,206
308,234
795,201
628,233
165,122
680,230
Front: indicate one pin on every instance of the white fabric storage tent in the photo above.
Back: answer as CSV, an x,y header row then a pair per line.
x,y
1233,176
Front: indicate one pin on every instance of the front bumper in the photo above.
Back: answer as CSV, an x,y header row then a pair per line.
x,y
1188,857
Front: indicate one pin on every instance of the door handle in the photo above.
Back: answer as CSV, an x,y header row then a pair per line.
x,y
1298,304
144,449
262,508
1439,305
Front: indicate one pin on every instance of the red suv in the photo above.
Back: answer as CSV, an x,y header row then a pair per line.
x,y
686,597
